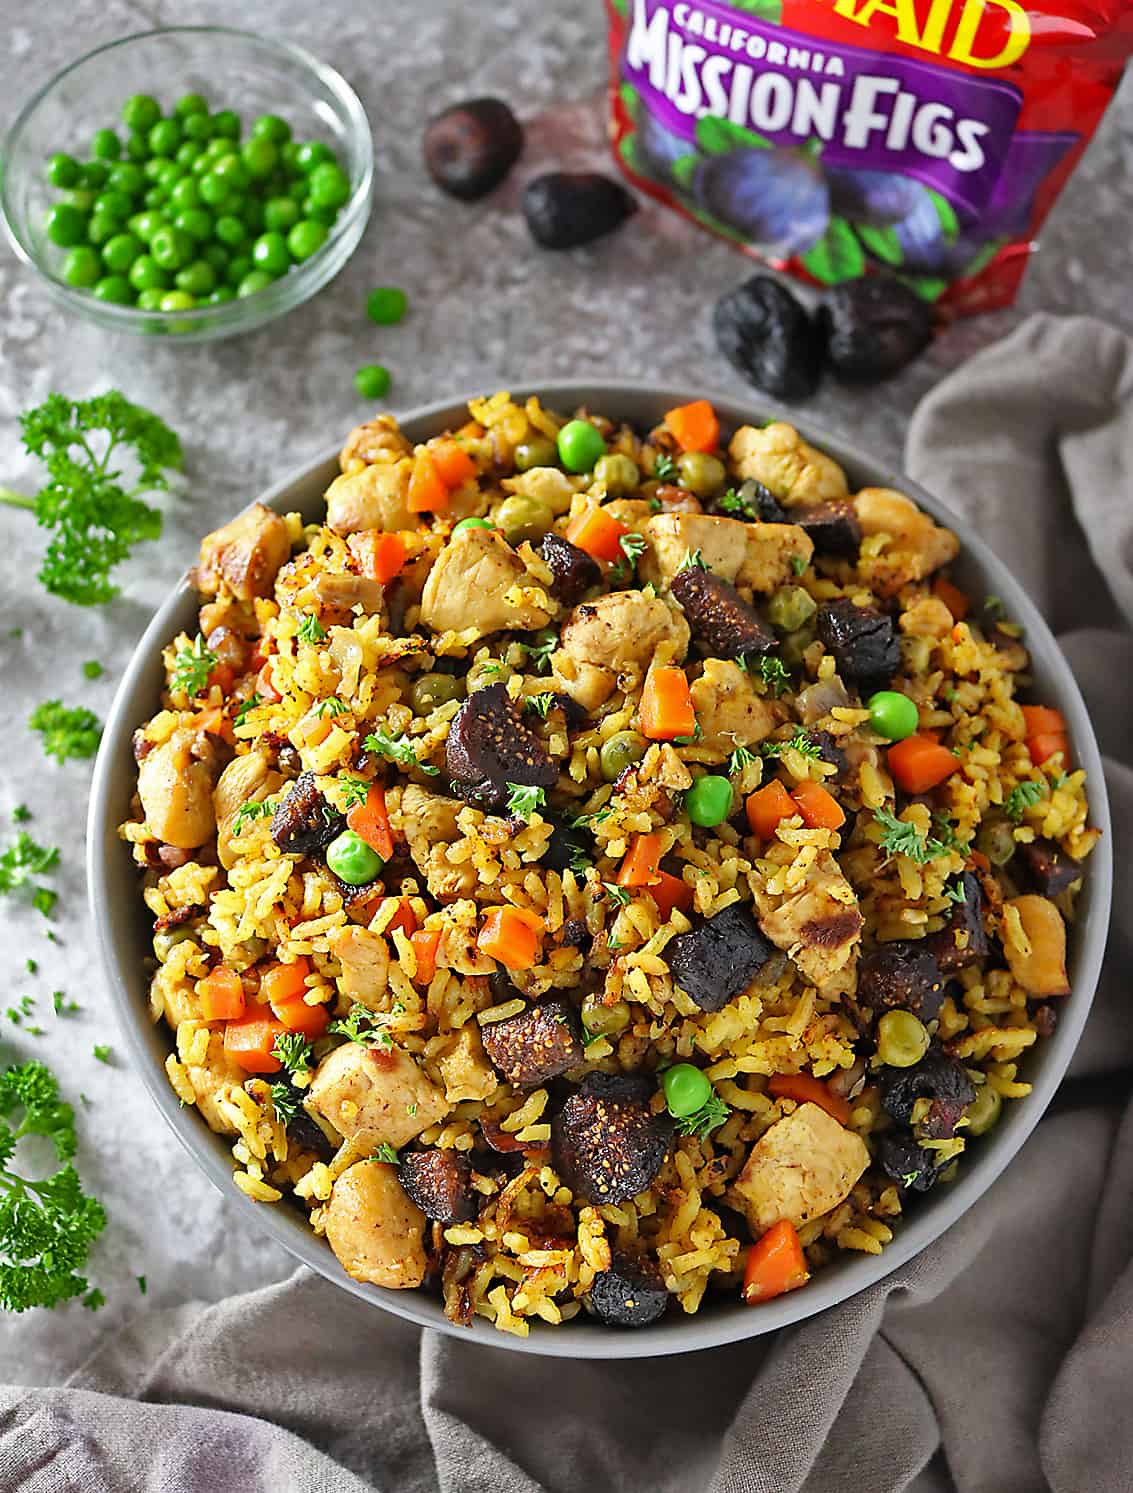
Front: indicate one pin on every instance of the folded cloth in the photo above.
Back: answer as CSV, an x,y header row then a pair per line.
x,y
997,1360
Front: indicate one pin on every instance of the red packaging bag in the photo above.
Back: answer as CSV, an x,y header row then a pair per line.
x,y
835,138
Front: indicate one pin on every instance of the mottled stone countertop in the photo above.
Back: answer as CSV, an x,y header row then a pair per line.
x,y
488,310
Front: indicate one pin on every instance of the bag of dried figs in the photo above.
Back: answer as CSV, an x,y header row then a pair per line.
x,y
832,138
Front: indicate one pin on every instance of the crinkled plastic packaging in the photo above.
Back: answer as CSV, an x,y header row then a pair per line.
x,y
835,138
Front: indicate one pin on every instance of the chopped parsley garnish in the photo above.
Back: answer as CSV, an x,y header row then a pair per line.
x,y
697,733
540,704
23,861
1023,796
619,895
311,630
354,791
1059,780
141,1280
95,520
994,607
523,801
734,502
66,733
902,838
387,1153
710,1116
92,669
192,667
798,564
284,1101
589,1037
61,1005
664,466
21,814
775,674
363,1026
693,560
801,742
332,706
579,863
539,654
587,821
946,832
955,893
739,759
246,707
249,812
397,749
31,966
294,1051
632,547
102,1051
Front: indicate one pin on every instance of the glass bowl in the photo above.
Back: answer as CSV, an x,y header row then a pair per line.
x,y
232,69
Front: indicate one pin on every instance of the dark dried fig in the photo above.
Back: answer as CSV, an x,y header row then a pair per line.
x,y
874,327
768,336
471,147
567,209
777,199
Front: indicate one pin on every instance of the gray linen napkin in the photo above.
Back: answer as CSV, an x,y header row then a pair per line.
x,y
998,1360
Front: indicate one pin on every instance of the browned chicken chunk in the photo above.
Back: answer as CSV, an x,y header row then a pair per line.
x,y
175,784
762,556
802,1167
376,1232
478,582
375,1098
244,555
614,636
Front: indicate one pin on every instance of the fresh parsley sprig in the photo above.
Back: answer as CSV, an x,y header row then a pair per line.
x,y
632,547
24,861
710,1116
387,1153
734,502
294,1051
902,838
801,741
246,707
284,1101
774,673
192,667
311,630
397,749
664,467
1023,796
693,560
354,791
363,1026
739,759
524,800
66,732
249,812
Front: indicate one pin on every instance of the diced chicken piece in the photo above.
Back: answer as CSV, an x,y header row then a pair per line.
x,y
916,545
376,497
927,617
375,1098
614,637
634,513
728,711
375,1231
244,555
465,1070
548,484
1034,940
212,1081
247,779
470,583
761,556
364,957
794,471
175,783
428,823
819,927
458,949
374,440
799,1169
343,597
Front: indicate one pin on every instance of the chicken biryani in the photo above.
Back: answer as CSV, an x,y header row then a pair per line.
x,y
599,870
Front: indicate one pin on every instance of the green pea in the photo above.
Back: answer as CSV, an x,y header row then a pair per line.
x,y
330,185
372,381
190,103
601,1020
306,239
289,158
271,127
892,714
216,191
120,252
216,255
219,145
171,247
983,1112
153,168
140,112
700,473
185,193
269,253
253,282
114,205
238,266
189,152
230,169
259,157
312,153
95,174
150,298
137,148
618,472
116,289
197,127
196,222
620,751
352,860
523,517
280,214
709,801
147,274
202,164
221,294
538,452
226,124
105,145
63,170
82,268
156,197
996,839
82,198
252,213
65,225
127,177
317,212
230,230
472,523
487,671
169,174
102,227
686,1088
790,608
145,225
178,300
386,305
580,445
198,278
431,690
902,1040
165,137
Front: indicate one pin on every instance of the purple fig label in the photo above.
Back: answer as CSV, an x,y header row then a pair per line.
x,y
857,109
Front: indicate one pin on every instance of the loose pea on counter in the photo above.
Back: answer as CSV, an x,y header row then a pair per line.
x,y
185,215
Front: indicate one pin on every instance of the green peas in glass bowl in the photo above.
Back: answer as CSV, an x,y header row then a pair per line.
x,y
265,117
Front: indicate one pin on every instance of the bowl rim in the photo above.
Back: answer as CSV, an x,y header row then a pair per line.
x,y
283,295
105,861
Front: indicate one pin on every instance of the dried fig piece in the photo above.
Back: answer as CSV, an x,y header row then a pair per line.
x,y
874,327
768,336
471,147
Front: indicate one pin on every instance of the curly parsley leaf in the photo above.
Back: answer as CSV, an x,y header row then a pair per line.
x,y
540,704
693,560
798,564
331,706
664,467
397,749
284,1101
739,759
387,1153
1023,796
66,733
363,1026
354,792
245,707
192,667
734,502
775,674
710,1116
539,654
523,800
23,861
801,742
92,669
311,630
294,1051
94,520
619,895
901,838
632,548
249,812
